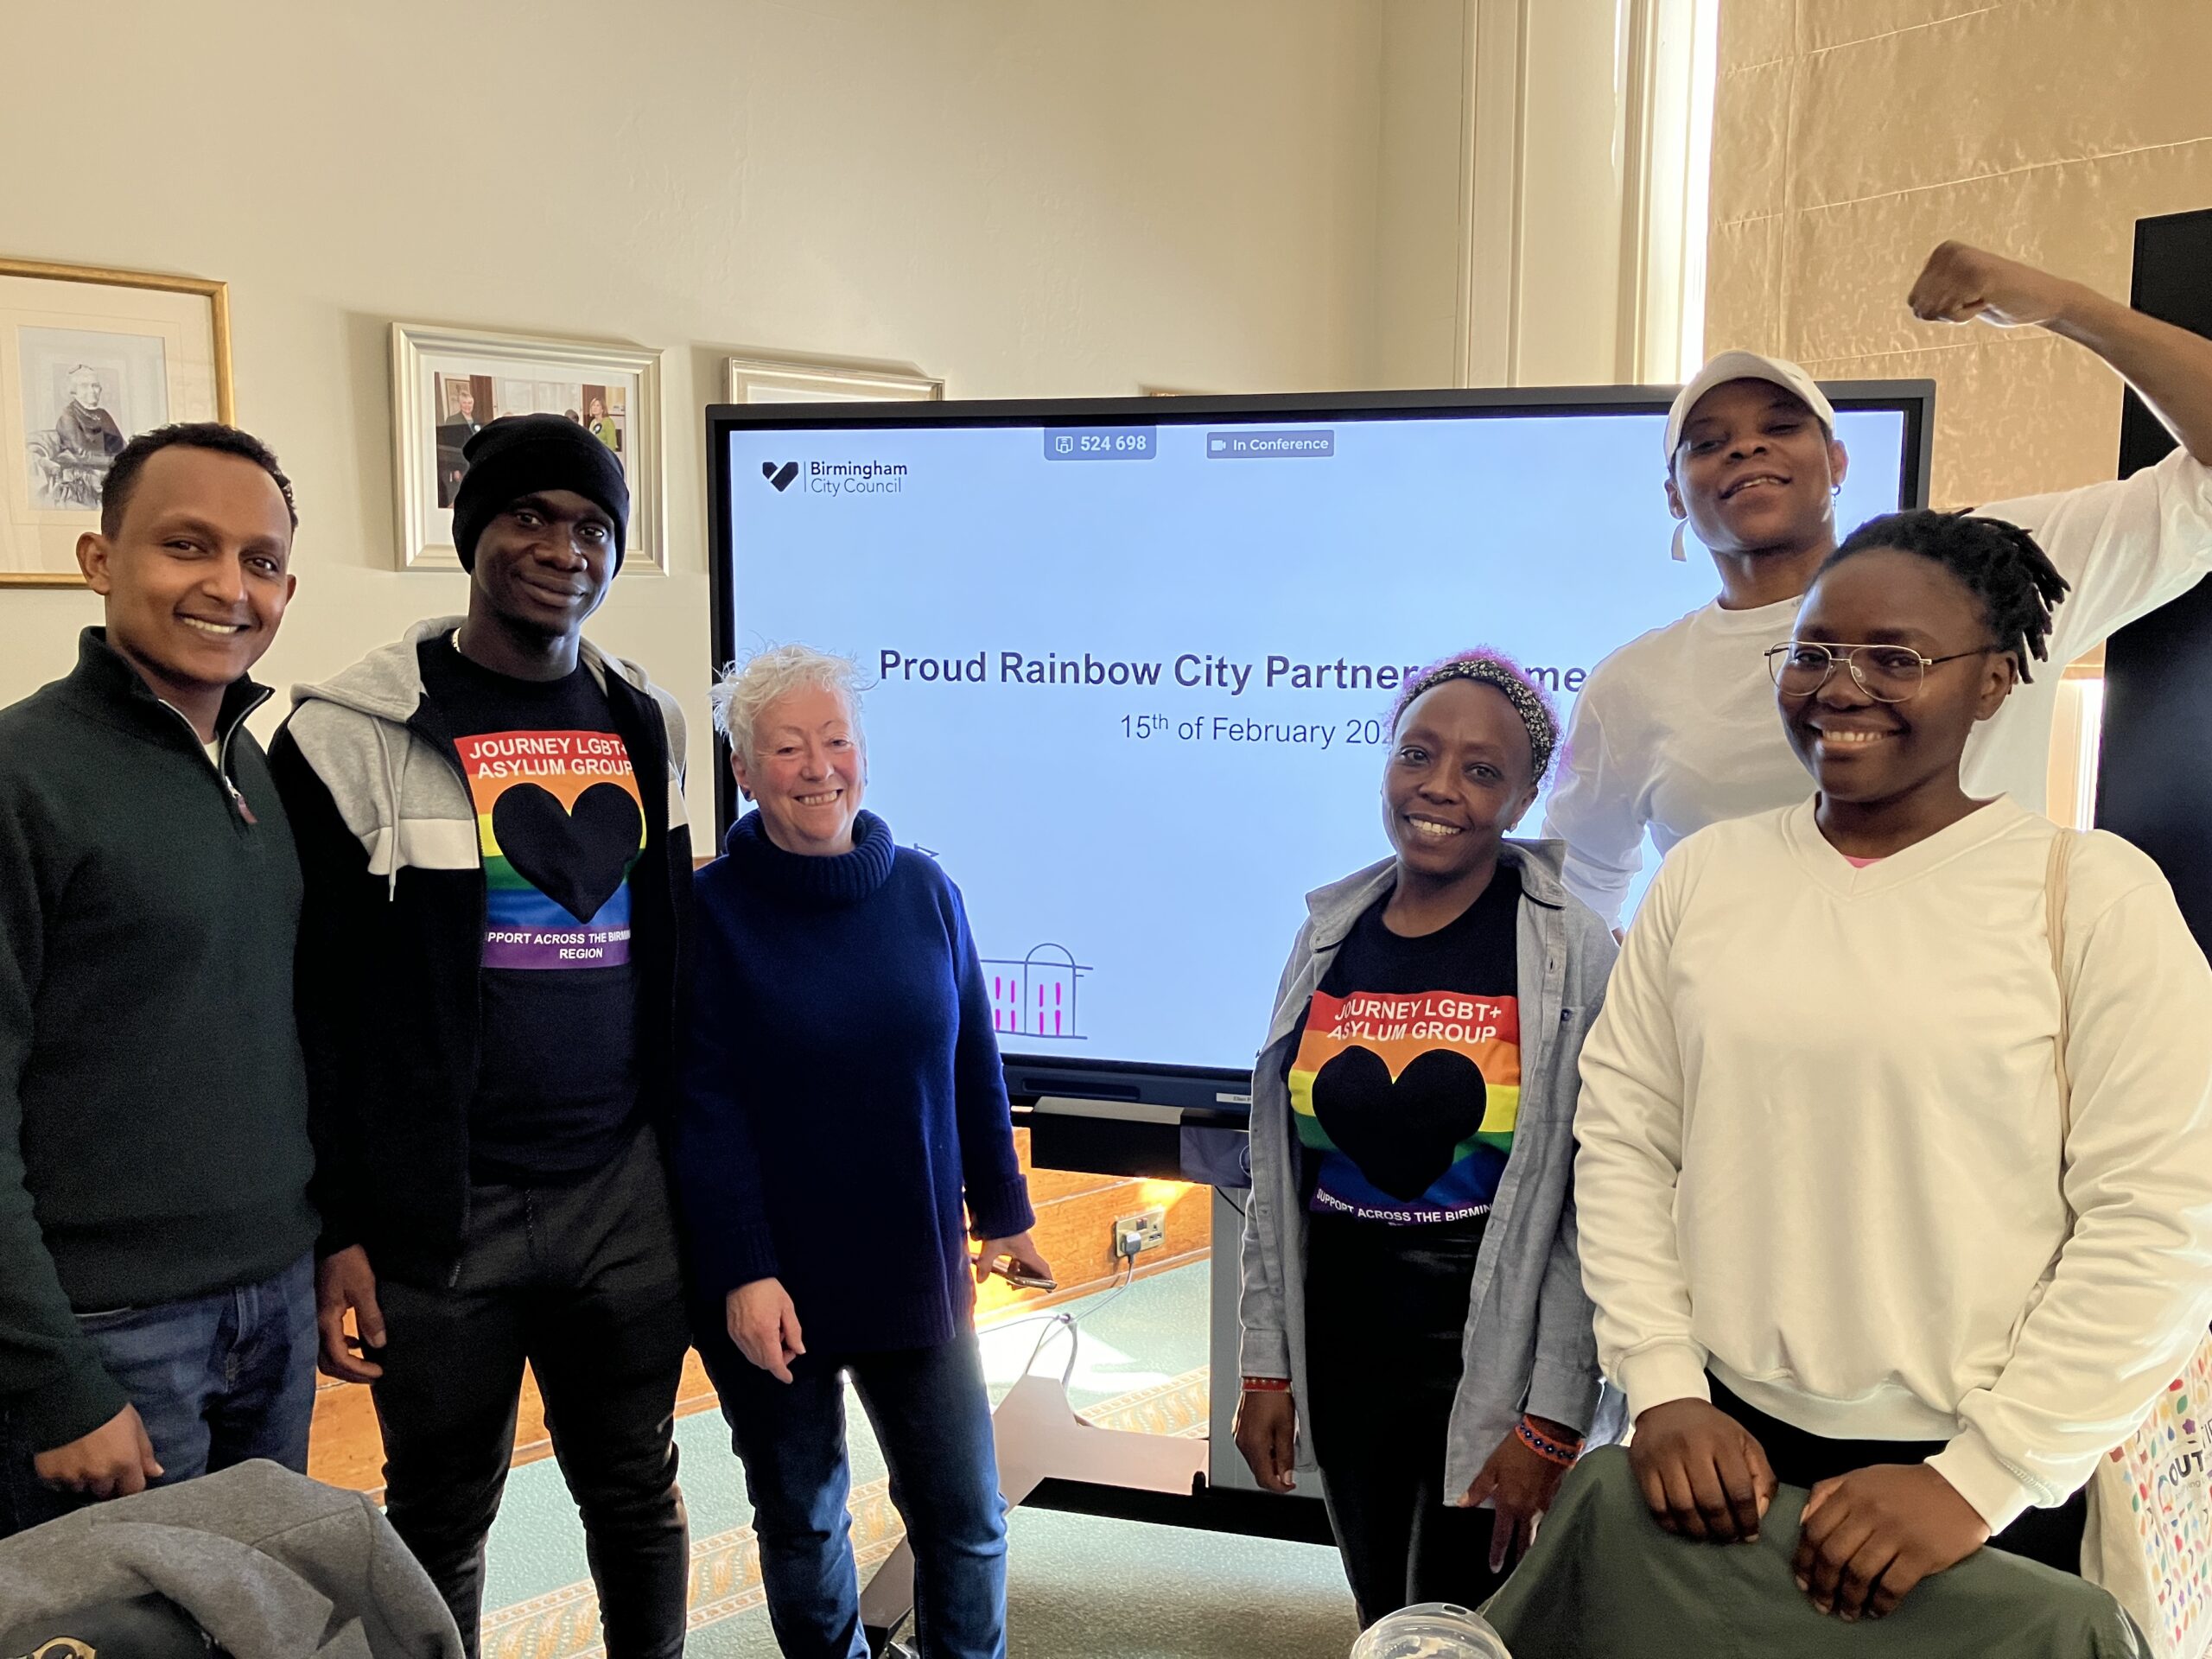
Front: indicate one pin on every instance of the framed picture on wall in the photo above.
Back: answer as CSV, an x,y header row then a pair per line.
x,y
447,384
772,380
89,359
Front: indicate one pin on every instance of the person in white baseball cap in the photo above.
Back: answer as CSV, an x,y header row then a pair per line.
x,y
1751,373
1677,729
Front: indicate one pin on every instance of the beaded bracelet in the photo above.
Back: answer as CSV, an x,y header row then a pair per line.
x,y
1551,1451
1267,1385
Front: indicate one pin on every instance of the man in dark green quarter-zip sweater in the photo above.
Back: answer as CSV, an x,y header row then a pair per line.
x,y
156,1294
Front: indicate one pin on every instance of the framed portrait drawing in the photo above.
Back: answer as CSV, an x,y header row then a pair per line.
x,y
447,384
770,380
89,359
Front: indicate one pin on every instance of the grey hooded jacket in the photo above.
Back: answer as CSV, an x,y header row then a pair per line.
x,y
406,805
1529,1344
271,1564
392,939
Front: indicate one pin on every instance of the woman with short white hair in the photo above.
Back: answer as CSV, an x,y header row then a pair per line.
x,y
842,1104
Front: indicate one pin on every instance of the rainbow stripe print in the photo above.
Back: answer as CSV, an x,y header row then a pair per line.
x,y
559,822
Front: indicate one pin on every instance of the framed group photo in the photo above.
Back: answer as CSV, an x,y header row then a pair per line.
x,y
447,383
90,358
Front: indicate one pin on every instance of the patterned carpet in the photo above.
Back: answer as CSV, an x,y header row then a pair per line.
x,y
1077,1587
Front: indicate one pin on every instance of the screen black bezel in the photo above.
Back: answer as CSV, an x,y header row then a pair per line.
x,y
1202,1088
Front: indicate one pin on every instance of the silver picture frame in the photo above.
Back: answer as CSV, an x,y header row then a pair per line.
x,y
801,380
447,383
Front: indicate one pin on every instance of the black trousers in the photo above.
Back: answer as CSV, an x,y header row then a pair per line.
x,y
1385,1311
2051,1536
582,1282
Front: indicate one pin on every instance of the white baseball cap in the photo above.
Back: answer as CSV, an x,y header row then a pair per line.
x,y
1745,365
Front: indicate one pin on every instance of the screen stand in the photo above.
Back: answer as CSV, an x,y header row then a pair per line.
x,y
1039,1437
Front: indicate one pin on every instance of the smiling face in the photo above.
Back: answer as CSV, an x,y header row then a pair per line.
x,y
545,563
464,402
196,575
1755,470
1460,775
807,770
1867,752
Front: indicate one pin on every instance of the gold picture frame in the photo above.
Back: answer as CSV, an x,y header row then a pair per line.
x,y
158,349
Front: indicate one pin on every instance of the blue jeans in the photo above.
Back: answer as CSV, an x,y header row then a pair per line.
x,y
932,1418
217,1380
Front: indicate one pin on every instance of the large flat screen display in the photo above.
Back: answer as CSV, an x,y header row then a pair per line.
x,y
1132,662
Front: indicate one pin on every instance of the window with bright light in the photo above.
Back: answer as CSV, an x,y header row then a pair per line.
x,y
1705,70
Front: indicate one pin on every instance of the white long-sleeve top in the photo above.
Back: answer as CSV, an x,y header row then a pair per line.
x,y
1820,1145
1677,729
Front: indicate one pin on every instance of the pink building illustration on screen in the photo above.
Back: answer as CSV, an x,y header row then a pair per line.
x,y
1035,995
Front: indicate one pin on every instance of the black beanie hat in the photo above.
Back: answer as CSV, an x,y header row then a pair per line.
x,y
520,454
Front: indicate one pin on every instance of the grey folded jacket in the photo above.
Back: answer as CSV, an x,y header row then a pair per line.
x,y
272,1565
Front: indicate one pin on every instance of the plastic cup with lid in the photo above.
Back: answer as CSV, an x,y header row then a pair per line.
x,y
1436,1629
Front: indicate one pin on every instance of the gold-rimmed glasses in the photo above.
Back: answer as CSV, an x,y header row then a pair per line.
x,y
1886,673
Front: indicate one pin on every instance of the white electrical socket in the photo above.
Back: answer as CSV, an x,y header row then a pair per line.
x,y
1133,1235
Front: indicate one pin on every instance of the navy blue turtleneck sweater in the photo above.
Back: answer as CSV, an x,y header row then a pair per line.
x,y
841,1092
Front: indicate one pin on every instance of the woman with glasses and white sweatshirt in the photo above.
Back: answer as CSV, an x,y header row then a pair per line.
x,y
1845,1223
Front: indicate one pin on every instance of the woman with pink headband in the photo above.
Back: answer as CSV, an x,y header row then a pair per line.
x,y
1414,1318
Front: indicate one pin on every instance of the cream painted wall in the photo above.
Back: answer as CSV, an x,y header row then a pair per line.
x,y
1574,94
1850,136
1027,197
1418,197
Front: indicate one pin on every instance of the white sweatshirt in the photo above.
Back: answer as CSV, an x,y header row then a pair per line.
x,y
1677,729
1820,1149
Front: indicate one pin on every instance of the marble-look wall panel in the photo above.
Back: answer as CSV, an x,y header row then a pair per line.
x,y
1750,125
1743,288
2040,128
1757,31
2025,414
1826,24
2032,84
1849,266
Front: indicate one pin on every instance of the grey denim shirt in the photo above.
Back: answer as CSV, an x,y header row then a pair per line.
x,y
1529,1344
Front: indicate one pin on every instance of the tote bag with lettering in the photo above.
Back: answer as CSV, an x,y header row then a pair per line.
x,y
2150,1537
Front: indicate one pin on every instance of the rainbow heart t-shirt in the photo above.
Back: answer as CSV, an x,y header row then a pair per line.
x,y
560,823
1406,1083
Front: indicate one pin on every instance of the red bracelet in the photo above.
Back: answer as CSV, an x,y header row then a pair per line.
x,y
1562,1452
1267,1385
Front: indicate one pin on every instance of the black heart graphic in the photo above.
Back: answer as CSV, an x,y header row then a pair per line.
x,y
779,476
1402,1134
576,858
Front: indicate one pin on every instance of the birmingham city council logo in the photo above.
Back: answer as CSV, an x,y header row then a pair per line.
x,y
781,476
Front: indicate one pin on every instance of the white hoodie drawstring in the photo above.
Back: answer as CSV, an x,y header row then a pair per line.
x,y
391,789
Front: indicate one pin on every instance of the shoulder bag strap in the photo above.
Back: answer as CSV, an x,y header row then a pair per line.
x,y
2054,901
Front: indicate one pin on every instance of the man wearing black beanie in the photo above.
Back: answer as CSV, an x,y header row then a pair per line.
x,y
513,456
490,819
